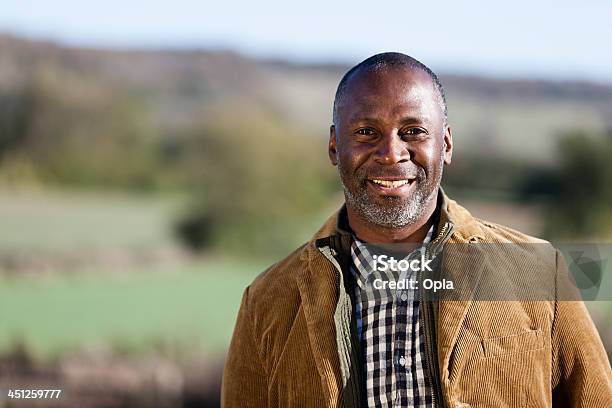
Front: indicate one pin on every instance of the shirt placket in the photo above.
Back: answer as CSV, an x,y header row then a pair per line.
x,y
402,328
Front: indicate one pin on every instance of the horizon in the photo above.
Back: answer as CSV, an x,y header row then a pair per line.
x,y
463,73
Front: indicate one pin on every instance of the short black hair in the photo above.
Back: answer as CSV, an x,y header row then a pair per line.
x,y
384,60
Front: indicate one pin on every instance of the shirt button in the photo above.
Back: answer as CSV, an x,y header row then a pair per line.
x,y
402,361
404,296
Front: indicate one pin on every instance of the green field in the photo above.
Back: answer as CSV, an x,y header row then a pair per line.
x,y
182,310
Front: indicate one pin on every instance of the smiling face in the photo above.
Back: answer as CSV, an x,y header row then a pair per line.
x,y
390,143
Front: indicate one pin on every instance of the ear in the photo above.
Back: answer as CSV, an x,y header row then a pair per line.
x,y
332,147
448,145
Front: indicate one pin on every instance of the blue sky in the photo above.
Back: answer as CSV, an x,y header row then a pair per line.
x,y
540,38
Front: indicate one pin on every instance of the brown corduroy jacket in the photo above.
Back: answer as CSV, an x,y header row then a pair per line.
x,y
291,346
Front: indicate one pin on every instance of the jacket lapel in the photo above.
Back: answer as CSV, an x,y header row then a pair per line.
x,y
317,283
463,263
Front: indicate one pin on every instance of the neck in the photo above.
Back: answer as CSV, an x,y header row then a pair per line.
x,y
367,231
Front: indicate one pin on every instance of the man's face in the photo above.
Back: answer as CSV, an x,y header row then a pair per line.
x,y
390,143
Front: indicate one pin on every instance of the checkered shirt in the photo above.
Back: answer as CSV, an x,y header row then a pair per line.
x,y
390,334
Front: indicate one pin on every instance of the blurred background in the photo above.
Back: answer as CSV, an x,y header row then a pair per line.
x,y
155,158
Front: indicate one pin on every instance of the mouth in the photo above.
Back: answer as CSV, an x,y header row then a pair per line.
x,y
396,187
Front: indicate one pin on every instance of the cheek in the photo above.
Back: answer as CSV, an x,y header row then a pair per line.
x,y
353,156
428,156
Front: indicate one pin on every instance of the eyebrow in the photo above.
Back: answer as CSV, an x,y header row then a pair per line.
x,y
403,121
412,119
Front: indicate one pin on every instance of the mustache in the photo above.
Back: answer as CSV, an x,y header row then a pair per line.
x,y
416,172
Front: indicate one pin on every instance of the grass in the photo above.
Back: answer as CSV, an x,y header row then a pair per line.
x,y
192,308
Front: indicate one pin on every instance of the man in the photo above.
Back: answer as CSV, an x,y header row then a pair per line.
x,y
312,331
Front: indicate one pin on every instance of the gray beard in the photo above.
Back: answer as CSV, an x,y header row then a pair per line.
x,y
397,213
394,215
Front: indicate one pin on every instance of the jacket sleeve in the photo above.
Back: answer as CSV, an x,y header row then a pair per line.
x,y
581,375
244,377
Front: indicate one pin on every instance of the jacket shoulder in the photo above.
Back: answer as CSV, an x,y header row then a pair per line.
x,y
502,233
525,247
274,292
279,276
468,227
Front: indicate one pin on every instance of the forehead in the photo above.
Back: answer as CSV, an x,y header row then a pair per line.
x,y
389,92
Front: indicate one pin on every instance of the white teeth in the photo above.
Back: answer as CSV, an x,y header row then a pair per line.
x,y
391,184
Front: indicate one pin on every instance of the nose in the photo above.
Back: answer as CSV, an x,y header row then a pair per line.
x,y
391,149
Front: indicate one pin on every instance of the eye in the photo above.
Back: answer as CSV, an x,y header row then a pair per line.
x,y
414,133
365,132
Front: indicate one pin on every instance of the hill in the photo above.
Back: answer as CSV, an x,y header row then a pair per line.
x,y
520,119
